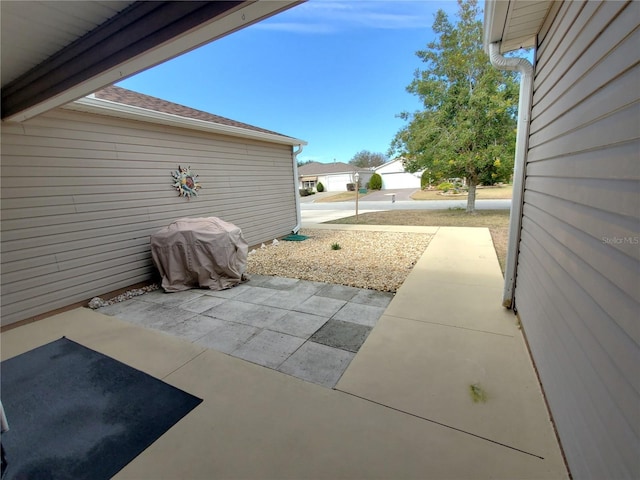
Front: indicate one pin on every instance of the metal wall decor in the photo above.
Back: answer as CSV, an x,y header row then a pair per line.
x,y
185,182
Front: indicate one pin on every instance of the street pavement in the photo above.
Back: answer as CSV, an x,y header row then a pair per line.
x,y
313,212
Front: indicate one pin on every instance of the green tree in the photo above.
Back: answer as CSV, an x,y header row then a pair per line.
x,y
468,124
367,159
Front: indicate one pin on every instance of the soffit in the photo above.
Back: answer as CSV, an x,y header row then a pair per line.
x,y
514,23
56,52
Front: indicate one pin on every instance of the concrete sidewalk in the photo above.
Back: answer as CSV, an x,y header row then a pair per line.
x,y
402,410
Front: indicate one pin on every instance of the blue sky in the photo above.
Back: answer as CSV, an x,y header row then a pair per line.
x,y
332,73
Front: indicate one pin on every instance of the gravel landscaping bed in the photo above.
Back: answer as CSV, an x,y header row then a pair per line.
x,y
374,260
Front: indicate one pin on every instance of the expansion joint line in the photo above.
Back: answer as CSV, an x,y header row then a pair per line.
x,y
442,424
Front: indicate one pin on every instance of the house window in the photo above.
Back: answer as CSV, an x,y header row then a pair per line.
x,y
309,184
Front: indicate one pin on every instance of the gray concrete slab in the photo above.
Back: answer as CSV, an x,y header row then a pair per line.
x,y
318,364
298,324
281,283
247,313
339,292
287,300
202,303
306,286
255,294
162,317
268,348
128,308
229,292
195,327
258,280
146,314
343,335
228,336
172,299
322,306
359,313
373,297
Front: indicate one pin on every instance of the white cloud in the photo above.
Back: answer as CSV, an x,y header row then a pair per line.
x,y
329,16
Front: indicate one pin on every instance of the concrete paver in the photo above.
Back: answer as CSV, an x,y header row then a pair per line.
x,y
339,292
343,335
268,348
321,306
202,303
228,336
298,324
265,320
373,298
241,312
287,300
195,327
359,313
320,364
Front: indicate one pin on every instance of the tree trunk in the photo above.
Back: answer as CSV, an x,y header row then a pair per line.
x,y
471,198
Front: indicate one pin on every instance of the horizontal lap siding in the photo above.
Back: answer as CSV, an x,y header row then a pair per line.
x,y
577,286
81,194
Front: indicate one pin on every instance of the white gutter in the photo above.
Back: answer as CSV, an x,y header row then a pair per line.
x,y
522,140
296,229
106,107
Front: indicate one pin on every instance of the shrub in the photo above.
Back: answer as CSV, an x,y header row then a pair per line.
x,y
424,180
351,187
375,183
320,187
335,246
446,186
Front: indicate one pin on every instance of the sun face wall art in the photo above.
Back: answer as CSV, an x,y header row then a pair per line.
x,y
185,182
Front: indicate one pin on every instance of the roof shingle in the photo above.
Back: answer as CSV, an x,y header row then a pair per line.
x,y
135,99
317,168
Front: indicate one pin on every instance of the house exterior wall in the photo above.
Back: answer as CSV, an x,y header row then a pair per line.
x,y
82,193
399,180
577,284
336,182
394,176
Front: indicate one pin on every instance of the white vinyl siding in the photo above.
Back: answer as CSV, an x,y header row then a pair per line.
x,y
81,194
577,282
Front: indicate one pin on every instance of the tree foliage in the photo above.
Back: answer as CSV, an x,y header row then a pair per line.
x,y
367,159
375,182
467,128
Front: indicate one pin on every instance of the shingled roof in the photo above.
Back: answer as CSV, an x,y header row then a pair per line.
x,y
135,99
317,168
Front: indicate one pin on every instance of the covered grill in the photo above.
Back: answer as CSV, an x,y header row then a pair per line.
x,y
199,253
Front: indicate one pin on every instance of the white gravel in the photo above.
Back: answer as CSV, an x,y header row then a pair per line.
x,y
374,260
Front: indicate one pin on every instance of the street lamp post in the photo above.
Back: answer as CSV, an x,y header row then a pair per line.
x,y
357,177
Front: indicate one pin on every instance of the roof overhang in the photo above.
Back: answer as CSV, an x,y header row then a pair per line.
x,y
119,110
514,23
142,35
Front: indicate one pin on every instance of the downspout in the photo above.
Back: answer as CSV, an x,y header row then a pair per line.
x,y
295,191
525,68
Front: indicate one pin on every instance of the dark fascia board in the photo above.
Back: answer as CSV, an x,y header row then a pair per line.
x,y
136,34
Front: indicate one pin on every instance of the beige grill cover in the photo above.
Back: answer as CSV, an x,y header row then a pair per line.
x,y
199,252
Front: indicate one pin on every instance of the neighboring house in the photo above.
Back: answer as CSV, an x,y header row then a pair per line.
x,y
394,175
334,176
574,256
84,184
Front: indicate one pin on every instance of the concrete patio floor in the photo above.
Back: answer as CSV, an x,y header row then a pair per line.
x,y
310,330
402,408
